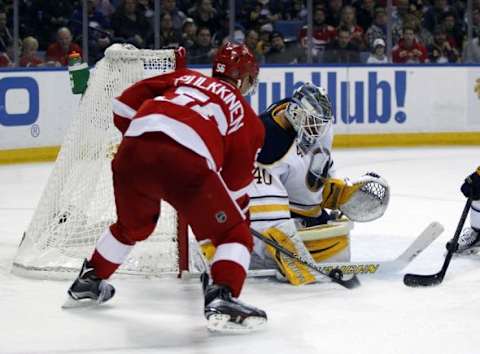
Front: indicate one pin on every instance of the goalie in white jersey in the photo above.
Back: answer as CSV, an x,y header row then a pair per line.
x,y
294,184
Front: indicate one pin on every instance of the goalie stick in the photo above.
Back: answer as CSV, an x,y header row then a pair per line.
x,y
414,280
336,275
421,242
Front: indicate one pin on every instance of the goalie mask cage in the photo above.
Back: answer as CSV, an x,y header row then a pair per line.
x,y
77,204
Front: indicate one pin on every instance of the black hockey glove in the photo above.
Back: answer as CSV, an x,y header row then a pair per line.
x,y
471,186
319,168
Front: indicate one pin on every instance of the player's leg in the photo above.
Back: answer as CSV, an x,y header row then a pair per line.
x,y
138,208
469,241
213,213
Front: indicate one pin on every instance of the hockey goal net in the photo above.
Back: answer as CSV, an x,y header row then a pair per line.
x,y
77,203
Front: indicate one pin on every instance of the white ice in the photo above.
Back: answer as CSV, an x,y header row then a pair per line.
x,y
165,315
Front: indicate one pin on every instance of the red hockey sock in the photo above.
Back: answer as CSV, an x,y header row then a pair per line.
x,y
230,274
103,268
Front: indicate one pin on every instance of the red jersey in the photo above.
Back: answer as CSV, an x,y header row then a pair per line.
x,y
417,53
322,35
56,53
30,61
204,114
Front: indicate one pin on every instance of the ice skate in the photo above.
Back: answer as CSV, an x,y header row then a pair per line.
x,y
468,243
88,289
228,315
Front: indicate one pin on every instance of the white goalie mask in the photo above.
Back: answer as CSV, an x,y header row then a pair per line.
x,y
310,114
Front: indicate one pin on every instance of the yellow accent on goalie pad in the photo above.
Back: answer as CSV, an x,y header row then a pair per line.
x,y
324,231
337,192
297,273
208,249
322,250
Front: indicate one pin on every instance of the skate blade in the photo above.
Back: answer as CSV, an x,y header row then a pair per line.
x,y
220,323
84,303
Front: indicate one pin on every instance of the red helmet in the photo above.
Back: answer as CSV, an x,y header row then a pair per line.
x,y
236,61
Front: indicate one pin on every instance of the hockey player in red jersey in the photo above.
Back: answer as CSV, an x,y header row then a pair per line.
x,y
190,140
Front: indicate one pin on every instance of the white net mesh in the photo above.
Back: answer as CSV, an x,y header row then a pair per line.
x,y
77,203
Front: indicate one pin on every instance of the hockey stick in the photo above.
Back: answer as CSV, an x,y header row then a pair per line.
x,y
415,280
421,242
335,275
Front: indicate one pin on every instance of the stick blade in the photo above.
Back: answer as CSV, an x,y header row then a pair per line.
x,y
418,280
352,283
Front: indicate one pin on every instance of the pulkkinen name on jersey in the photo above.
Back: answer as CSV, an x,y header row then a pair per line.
x,y
235,107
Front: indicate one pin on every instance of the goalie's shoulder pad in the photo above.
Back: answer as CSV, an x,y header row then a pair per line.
x,y
278,139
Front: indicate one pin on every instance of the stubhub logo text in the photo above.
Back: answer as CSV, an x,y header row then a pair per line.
x,y
368,101
16,112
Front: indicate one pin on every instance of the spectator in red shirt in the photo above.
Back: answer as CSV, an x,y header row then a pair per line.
x,y
29,56
349,21
409,50
58,52
322,33
5,60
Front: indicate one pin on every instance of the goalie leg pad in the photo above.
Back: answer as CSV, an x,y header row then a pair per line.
x,y
328,242
331,249
295,272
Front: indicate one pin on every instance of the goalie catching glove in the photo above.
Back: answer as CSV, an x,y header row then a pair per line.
x,y
363,199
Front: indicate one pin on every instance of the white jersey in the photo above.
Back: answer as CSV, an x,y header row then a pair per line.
x,y
279,188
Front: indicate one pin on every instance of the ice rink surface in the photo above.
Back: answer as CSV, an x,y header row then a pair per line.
x,y
165,315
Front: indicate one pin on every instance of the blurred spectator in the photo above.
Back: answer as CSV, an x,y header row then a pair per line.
x,y
341,50
238,36
453,29
366,13
48,16
378,56
421,33
295,10
129,24
263,45
476,21
205,15
169,37
279,53
398,16
202,51
441,51
95,19
471,52
98,26
106,8
334,12
6,36
379,27
178,17
147,9
263,12
251,41
409,50
29,56
58,52
5,60
349,21
435,14
189,31
322,34
10,53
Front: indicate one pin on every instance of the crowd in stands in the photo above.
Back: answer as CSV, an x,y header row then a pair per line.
x,y
344,31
